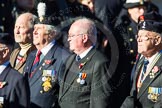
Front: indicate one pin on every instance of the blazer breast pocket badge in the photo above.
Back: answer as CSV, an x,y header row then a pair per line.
x,y
153,93
48,77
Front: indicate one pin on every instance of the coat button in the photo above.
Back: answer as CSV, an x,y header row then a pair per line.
x,y
131,51
131,39
130,29
2,5
132,62
3,19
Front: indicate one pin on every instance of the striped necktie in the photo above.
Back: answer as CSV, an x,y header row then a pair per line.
x,y
36,62
145,63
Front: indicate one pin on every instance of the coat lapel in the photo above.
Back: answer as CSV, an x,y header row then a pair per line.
x,y
69,63
149,80
42,66
138,68
76,70
14,57
4,73
135,78
20,64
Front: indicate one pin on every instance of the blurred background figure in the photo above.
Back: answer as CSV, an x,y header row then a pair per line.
x,y
88,3
107,11
125,34
22,6
6,19
23,34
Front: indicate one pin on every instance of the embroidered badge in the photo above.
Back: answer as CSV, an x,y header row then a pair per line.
x,y
144,25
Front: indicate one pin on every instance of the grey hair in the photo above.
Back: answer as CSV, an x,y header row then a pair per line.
x,y
50,28
91,29
32,21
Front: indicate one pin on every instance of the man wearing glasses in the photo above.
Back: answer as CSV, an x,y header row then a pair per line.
x,y
86,78
147,83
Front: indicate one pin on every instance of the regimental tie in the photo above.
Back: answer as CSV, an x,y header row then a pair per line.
x,y
145,63
36,62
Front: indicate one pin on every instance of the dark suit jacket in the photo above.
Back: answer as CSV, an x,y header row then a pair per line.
x,y
140,99
95,93
57,57
16,92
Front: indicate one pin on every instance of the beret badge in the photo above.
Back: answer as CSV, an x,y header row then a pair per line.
x,y
41,9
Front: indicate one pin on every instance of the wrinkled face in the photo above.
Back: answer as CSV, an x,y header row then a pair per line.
x,y
26,4
75,39
40,35
147,42
89,3
136,12
23,31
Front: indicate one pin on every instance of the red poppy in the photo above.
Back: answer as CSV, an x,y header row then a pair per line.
x,y
48,61
155,69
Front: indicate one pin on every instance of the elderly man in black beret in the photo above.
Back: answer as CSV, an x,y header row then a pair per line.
x,y
45,64
14,88
147,81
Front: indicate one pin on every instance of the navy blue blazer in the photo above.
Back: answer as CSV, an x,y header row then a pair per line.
x,y
53,61
15,92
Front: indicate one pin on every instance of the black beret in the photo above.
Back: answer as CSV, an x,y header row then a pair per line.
x,y
7,39
151,22
150,16
134,3
43,18
47,21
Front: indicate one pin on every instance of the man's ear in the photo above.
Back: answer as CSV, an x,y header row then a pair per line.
x,y
5,52
85,38
158,40
52,33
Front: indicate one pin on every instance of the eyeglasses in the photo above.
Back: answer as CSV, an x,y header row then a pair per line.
x,y
71,36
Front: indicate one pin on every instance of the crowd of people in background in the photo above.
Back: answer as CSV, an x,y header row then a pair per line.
x,y
59,54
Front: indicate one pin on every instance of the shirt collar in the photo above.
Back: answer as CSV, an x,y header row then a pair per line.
x,y
47,48
152,57
3,66
82,55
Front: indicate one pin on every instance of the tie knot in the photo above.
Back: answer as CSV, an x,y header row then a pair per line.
x,y
39,53
146,62
78,58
